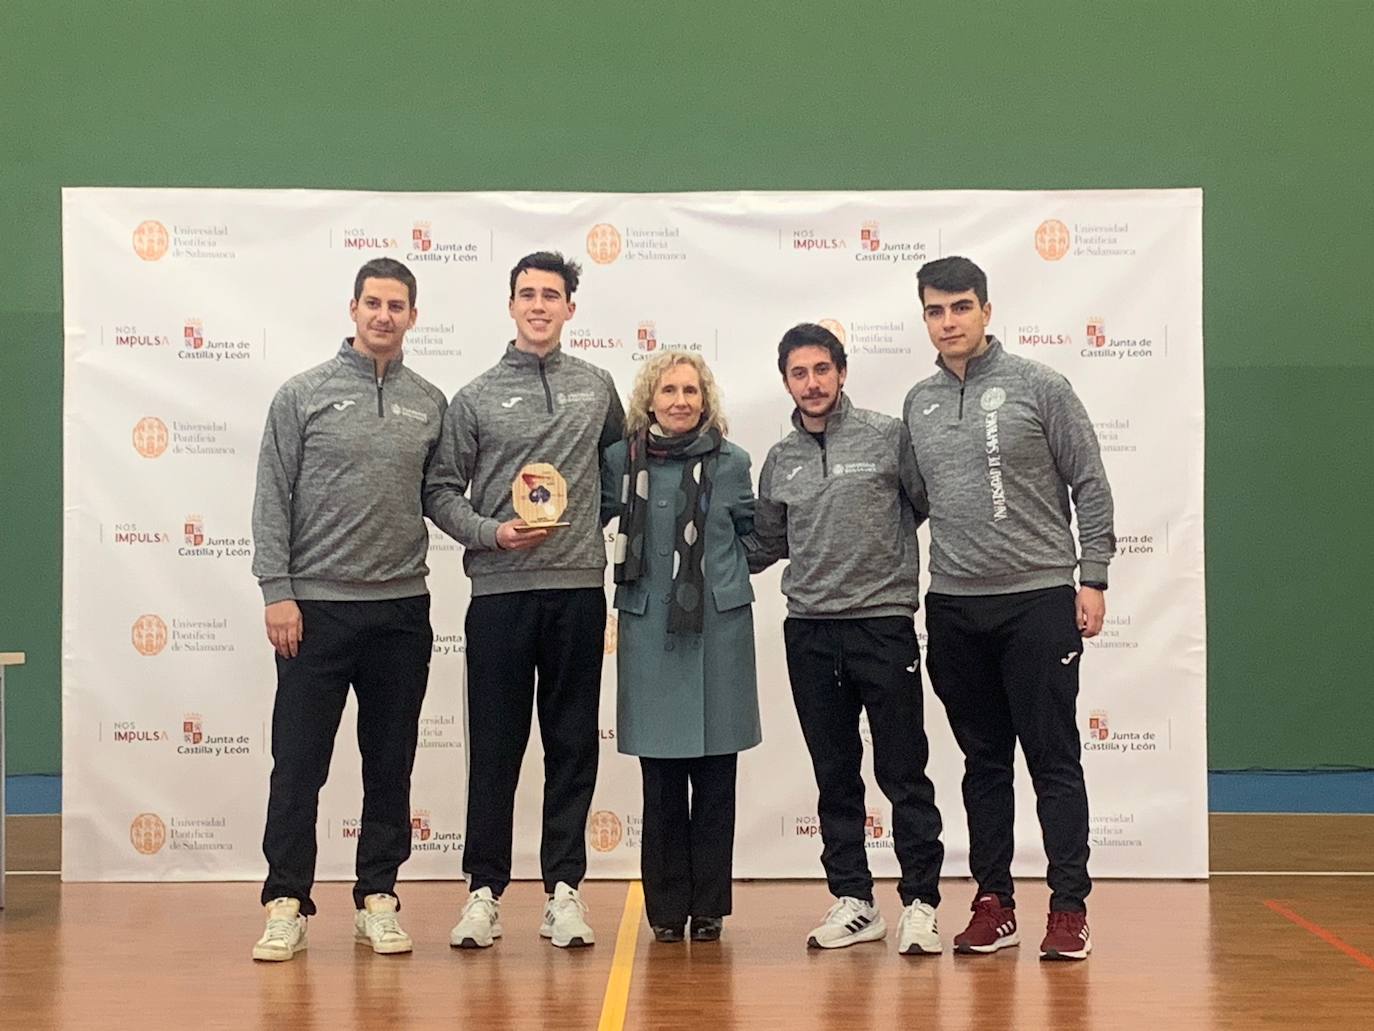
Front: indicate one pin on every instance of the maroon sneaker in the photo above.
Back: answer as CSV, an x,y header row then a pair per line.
x,y
993,927
1066,937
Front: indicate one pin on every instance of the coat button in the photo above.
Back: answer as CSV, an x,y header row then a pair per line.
x,y
668,599
662,503
665,552
668,647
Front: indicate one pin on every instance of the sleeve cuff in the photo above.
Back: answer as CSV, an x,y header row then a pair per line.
x,y
274,591
1092,571
486,534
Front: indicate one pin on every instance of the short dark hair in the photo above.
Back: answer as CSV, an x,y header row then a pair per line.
x,y
808,334
385,268
953,275
548,261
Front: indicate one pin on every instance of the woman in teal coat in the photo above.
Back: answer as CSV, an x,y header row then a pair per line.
x,y
687,700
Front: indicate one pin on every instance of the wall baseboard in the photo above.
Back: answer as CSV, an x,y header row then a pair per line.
x,y
1240,843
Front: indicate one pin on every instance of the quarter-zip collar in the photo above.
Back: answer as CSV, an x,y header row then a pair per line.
x,y
833,422
524,361
975,366
365,364
519,359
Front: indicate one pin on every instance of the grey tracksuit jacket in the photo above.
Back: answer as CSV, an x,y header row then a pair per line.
x,y
337,512
844,514
1000,455
558,409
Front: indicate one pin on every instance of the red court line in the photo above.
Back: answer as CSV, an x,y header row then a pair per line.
x,y
1321,932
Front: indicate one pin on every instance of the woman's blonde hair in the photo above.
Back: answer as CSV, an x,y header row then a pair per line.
x,y
637,417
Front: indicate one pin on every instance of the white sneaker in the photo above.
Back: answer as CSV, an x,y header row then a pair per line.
x,y
917,934
479,925
376,925
285,933
565,918
848,922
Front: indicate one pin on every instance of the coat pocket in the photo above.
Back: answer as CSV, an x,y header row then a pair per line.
x,y
733,595
632,598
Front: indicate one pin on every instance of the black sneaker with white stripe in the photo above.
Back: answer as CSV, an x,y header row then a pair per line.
x,y
848,922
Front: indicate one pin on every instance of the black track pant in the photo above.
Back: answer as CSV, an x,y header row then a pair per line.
x,y
838,667
556,637
382,649
1006,668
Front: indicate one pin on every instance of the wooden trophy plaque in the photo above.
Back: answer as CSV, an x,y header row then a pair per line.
x,y
539,494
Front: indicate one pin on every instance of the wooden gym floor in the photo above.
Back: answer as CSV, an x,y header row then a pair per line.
x,y
1239,951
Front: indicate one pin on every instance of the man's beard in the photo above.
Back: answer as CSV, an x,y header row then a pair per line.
x,y
829,409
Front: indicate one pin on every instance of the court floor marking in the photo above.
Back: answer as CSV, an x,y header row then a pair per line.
x,y
1321,932
617,998
1210,873
1292,873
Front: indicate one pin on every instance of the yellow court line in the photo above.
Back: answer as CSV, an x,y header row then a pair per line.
x,y
622,966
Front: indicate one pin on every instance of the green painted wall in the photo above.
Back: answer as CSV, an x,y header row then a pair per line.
x,y
1267,106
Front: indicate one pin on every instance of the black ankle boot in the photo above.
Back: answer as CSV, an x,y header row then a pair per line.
x,y
706,928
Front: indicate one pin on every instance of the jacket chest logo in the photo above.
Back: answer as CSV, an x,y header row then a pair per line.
x,y
993,398
852,468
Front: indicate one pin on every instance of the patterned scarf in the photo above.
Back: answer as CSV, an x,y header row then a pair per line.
x,y
697,451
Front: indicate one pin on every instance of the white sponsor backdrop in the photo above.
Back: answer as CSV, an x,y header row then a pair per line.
x,y
186,309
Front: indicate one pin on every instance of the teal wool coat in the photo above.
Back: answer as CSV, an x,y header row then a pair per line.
x,y
681,695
